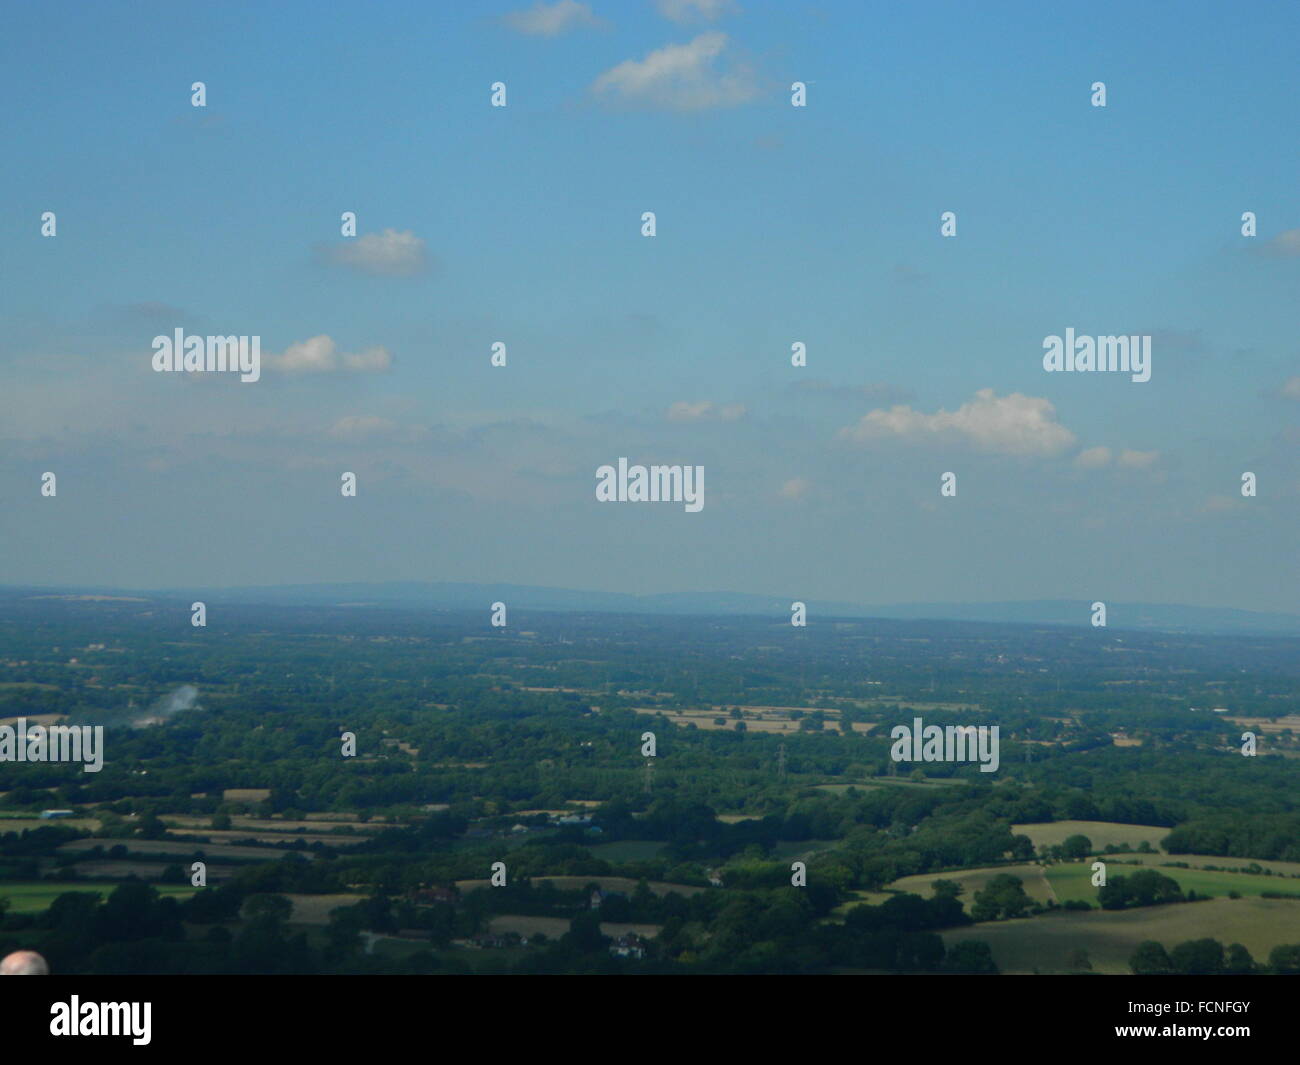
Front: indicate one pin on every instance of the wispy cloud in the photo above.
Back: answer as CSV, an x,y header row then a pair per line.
x,y
391,253
551,20
355,428
1096,458
681,77
1093,458
1138,460
796,489
687,11
1015,424
705,410
872,392
320,354
1286,243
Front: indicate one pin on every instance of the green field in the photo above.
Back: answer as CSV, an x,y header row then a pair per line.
x,y
33,896
1101,834
1073,880
10,822
787,850
861,898
1289,872
629,850
896,782
1044,944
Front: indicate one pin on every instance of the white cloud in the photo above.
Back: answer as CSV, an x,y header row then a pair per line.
x,y
684,11
372,360
680,77
355,428
550,20
1094,458
358,427
1015,424
320,354
796,488
1285,243
1220,504
1138,460
387,254
682,411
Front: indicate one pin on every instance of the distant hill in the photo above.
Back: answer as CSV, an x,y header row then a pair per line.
x,y
443,595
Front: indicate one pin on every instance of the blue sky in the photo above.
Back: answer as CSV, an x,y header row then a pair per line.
x,y
776,224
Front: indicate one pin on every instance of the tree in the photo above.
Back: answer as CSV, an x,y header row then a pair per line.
x,y
1285,958
276,907
344,932
1081,808
970,956
128,911
1238,960
1076,846
584,935
1022,848
152,827
616,908
1197,957
173,874
1149,958
1003,896
1146,888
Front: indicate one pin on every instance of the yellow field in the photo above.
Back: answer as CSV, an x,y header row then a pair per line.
x,y
1263,724
17,824
145,870
178,847
315,909
186,823
34,719
868,898
756,718
224,836
973,880
1045,943
1101,833
1202,861
605,883
554,927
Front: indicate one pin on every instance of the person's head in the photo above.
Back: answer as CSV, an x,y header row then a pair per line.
x,y
24,963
